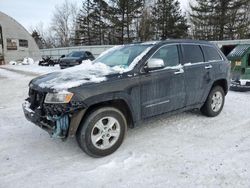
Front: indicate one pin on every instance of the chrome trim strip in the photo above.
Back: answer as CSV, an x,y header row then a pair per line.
x,y
163,102
198,63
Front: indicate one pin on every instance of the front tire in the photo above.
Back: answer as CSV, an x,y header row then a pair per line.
x,y
214,103
102,132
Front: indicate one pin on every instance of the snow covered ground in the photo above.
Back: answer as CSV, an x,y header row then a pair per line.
x,y
185,150
33,68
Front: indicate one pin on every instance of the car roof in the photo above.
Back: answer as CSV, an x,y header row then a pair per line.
x,y
185,41
179,41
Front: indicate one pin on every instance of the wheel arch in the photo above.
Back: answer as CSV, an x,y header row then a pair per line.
x,y
221,82
118,103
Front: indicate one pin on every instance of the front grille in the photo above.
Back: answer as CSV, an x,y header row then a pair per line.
x,y
36,99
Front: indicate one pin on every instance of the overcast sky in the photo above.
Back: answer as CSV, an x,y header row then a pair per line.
x,y
31,12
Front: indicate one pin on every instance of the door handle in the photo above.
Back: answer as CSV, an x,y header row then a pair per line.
x,y
181,71
208,67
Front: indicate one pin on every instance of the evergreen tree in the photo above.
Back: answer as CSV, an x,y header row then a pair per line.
x,y
145,31
126,15
218,20
39,40
168,19
93,23
83,29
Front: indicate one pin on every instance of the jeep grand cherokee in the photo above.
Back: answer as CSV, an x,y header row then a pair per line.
x,y
98,100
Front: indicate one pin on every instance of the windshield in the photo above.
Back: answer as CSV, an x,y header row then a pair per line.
x,y
122,56
75,54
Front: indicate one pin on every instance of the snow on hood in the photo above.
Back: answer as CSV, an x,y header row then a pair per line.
x,y
87,72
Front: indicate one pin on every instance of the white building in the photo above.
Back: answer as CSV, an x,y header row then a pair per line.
x,y
15,41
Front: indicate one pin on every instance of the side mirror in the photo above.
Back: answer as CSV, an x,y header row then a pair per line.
x,y
154,64
62,56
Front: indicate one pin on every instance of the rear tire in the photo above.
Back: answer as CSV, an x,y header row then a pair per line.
x,y
214,103
102,132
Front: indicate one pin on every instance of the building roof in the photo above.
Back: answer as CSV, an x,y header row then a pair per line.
x,y
239,51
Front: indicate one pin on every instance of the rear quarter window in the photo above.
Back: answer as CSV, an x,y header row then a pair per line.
x,y
211,54
192,53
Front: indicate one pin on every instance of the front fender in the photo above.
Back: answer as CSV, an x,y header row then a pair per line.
x,y
95,100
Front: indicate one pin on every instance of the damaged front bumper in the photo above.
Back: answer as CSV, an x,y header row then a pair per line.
x,y
57,126
35,118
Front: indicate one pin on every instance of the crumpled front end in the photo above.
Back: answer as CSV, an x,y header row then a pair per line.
x,y
59,120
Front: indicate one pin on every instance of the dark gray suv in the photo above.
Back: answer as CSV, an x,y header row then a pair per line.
x,y
75,58
98,100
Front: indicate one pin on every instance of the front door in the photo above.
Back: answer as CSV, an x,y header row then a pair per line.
x,y
1,47
163,90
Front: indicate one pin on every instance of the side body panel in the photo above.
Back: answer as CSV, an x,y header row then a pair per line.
x,y
197,79
161,91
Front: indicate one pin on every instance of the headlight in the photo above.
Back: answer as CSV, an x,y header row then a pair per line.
x,y
63,97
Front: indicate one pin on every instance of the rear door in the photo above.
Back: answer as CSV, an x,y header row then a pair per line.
x,y
163,90
213,63
196,77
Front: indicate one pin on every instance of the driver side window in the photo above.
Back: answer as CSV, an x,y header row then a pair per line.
x,y
169,54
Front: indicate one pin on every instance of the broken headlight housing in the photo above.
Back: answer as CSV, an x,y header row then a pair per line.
x,y
61,97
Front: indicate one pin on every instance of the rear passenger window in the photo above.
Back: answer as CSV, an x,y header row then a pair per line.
x,y
169,54
211,53
192,53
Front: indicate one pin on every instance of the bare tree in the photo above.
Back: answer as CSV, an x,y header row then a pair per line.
x,y
64,23
46,37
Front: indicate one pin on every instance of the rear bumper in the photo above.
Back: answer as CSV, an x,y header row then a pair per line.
x,y
237,86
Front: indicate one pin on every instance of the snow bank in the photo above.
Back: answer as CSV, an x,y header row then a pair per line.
x,y
13,63
26,61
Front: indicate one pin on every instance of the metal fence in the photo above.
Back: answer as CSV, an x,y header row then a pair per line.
x,y
58,52
231,42
98,49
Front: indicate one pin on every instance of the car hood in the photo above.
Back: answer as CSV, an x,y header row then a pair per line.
x,y
70,58
85,73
